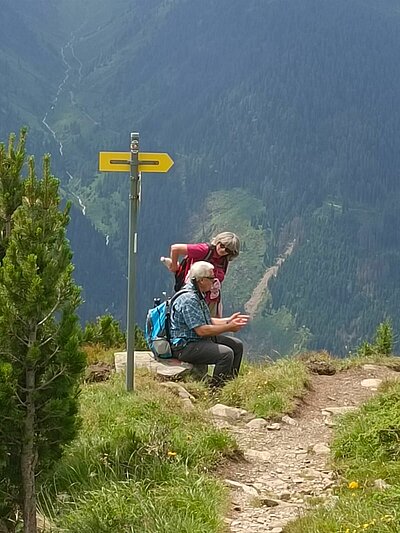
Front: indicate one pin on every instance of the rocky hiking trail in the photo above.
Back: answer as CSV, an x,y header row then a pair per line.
x,y
286,463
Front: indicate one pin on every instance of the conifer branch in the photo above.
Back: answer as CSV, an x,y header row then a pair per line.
x,y
45,385
50,313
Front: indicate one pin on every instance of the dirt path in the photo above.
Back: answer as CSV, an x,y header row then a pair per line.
x,y
286,466
253,303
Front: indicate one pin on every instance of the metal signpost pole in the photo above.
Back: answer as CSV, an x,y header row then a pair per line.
x,y
132,252
135,163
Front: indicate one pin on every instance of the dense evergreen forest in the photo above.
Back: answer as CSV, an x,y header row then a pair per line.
x,y
291,104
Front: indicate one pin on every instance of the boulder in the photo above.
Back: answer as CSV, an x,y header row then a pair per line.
x,y
98,372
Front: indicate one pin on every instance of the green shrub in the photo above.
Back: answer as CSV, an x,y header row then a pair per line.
x,y
382,344
384,338
107,332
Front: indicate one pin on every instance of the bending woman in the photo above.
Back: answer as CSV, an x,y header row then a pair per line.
x,y
223,248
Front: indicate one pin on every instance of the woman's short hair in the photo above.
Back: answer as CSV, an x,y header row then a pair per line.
x,y
230,241
201,269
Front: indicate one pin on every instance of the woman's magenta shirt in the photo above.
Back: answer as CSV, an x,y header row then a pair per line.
x,y
197,252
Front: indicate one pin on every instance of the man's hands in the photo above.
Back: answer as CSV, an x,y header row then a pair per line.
x,y
237,321
219,326
233,323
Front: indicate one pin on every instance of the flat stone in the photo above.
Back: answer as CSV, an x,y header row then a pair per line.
x,y
224,411
187,404
145,359
257,423
381,484
312,473
370,367
269,502
257,455
372,383
274,427
247,489
177,389
289,420
338,410
321,449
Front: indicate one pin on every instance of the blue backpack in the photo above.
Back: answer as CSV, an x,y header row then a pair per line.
x,y
157,330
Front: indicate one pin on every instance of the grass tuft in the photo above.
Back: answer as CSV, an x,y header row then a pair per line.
x,y
268,390
138,457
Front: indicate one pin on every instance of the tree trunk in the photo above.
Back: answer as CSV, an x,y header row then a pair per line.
x,y
8,227
28,458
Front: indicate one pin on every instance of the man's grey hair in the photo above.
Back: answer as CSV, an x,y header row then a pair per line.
x,y
201,269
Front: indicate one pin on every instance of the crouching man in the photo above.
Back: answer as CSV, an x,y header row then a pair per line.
x,y
199,339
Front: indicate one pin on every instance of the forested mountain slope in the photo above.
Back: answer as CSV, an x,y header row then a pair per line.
x,y
293,103
32,39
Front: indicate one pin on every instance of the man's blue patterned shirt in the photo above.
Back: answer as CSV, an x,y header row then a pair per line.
x,y
188,311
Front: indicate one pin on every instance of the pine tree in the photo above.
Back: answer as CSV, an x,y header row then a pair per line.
x,y
11,163
40,358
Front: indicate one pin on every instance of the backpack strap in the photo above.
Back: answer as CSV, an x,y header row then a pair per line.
x,y
175,296
211,249
169,309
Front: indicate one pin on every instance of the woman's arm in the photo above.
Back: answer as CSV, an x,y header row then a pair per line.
x,y
176,251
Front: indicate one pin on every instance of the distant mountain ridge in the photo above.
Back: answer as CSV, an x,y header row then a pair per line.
x,y
295,103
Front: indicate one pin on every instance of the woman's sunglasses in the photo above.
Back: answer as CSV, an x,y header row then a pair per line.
x,y
227,250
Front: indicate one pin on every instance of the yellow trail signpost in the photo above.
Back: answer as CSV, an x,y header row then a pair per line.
x,y
135,163
121,162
